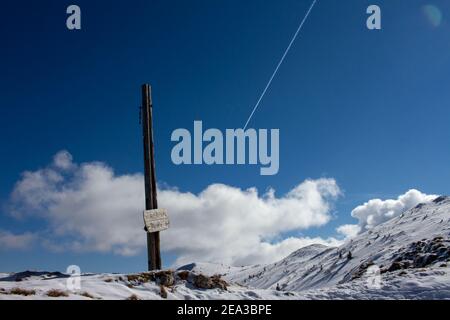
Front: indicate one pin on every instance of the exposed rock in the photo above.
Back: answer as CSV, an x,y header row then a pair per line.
x,y
183,275
168,278
214,282
163,292
362,269
421,254
440,199
165,278
140,278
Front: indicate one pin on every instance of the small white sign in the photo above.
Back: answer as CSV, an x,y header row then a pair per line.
x,y
156,220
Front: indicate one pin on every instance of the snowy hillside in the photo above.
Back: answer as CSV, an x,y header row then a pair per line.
x,y
415,244
145,286
405,258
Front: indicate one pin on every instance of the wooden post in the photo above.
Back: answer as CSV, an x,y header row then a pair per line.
x,y
151,202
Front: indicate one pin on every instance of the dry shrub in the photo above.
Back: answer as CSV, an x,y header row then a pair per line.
x,y
55,293
87,295
22,292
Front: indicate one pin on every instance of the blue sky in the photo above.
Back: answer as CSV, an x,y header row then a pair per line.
x,y
367,108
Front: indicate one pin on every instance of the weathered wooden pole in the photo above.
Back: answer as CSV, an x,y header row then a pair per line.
x,y
151,202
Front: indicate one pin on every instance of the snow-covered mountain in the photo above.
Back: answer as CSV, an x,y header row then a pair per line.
x,y
406,257
416,241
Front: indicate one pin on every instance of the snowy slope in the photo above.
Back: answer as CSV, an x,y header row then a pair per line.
x,y
407,257
417,238
43,285
432,283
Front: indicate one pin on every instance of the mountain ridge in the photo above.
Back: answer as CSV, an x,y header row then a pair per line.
x,y
419,237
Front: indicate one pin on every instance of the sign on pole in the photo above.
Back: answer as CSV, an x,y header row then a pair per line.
x,y
156,220
151,201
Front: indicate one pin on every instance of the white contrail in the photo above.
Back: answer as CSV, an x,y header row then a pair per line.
x,y
280,63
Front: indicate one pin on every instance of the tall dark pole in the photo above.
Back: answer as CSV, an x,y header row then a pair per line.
x,y
151,202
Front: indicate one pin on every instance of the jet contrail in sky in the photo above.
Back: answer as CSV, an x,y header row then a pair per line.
x,y
280,63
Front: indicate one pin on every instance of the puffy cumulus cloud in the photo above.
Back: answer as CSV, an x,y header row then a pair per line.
x,y
89,208
13,241
239,226
377,211
63,160
349,230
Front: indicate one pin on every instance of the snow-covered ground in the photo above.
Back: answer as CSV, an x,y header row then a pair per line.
x,y
407,257
432,283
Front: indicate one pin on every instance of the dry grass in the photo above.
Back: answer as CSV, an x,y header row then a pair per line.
x,y
133,297
22,292
55,293
141,277
87,295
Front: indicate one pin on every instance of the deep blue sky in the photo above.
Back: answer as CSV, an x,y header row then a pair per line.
x,y
368,108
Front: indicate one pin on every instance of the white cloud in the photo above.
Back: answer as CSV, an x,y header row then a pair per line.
x,y
239,226
89,208
349,230
63,160
264,252
377,211
13,241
